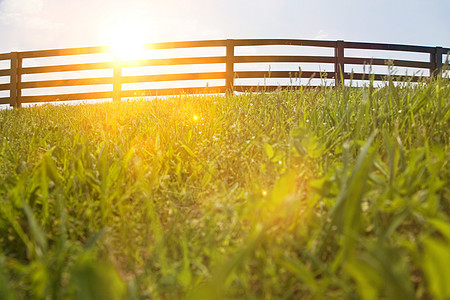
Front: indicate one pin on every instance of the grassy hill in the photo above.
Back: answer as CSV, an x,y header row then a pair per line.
x,y
316,193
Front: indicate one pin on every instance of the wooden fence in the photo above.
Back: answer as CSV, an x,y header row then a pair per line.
x,y
16,70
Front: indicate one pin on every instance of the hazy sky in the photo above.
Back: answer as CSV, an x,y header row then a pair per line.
x,y
45,24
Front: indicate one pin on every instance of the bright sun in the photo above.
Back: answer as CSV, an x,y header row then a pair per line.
x,y
127,40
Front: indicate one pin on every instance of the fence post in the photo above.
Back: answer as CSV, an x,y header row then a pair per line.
x,y
15,79
339,63
117,78
229,77
435,61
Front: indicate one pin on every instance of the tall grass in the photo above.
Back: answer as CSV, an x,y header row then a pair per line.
x,y
315,193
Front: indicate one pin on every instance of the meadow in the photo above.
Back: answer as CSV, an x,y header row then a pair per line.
x,y
317,193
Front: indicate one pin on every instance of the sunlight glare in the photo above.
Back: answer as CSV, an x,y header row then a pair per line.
x,y
127,40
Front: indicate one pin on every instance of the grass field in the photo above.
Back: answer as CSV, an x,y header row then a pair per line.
x,y
318,193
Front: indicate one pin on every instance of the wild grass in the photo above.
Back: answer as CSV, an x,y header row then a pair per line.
x,y
308,194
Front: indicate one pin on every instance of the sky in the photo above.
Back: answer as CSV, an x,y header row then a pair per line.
x,y
51,24
47,24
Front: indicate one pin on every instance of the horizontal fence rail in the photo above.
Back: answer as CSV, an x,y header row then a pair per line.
x,y
17,70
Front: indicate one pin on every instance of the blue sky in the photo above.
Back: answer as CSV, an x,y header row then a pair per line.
x,y
45,24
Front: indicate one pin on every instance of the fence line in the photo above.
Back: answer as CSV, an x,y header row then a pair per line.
x,y
339,60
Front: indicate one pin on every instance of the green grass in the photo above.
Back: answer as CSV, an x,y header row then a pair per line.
x,y
310,194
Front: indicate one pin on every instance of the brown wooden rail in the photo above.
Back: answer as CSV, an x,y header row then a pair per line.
x,y
16,70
